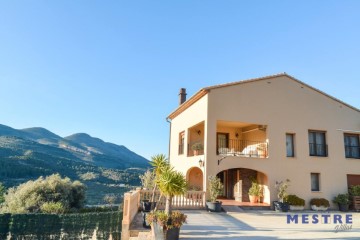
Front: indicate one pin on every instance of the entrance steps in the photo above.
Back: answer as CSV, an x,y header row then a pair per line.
x,y
142,236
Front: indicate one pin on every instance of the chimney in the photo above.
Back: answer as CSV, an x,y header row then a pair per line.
x,y
182,96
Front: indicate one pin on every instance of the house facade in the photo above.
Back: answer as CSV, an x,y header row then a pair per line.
x,y
270,128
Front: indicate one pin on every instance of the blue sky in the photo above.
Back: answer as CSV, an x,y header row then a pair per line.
x,y
113,69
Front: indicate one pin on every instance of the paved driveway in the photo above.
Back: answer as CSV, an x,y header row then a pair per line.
x,y
266,225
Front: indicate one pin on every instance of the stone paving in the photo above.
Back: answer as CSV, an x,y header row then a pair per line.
x,y
264,225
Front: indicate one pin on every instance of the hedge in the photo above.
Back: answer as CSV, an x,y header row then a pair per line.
x,y
63,226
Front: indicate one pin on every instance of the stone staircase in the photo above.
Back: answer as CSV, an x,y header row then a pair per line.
x,y
137,231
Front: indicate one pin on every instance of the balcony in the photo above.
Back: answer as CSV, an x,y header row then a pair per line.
x,y
242,148
319,150
352,152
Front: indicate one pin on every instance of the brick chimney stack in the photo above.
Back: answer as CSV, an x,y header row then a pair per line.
x,y
182,96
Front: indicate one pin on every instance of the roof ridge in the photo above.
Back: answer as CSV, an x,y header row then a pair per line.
x,y
246,80
205,90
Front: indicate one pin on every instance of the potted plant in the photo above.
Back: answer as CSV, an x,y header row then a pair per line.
x,y
255,191
147,182
196,147
319,204
281,188
343,202
355,193
295,203
215,189
166,224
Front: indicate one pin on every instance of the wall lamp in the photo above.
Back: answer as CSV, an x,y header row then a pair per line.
x,y
199,132
201,163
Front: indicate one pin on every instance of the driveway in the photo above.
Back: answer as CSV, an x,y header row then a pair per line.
x,y
266,225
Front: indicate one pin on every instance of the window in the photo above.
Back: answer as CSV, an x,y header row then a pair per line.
x,y
222,143
181,142
315,182
352,145
317,144
290,145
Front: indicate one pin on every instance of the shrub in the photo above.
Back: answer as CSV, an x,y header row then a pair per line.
x,y
177,219
342,199
281,188
52,207
29,197
320,202
215,187
355,190
255,189
295,200
197,146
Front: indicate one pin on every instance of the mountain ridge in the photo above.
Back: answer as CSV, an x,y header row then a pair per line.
x,y
105,168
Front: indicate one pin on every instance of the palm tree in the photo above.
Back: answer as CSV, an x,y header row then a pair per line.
x,y
171,183
159,163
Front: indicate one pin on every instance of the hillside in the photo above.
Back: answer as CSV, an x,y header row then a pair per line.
x,y
104,167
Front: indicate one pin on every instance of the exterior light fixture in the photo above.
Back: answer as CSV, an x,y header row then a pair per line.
x,y
201,163
199,132
236,135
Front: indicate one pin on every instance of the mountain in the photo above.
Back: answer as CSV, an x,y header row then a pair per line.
x,y
26,154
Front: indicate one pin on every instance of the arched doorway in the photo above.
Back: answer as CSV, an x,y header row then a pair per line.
x,y
194,177
237,182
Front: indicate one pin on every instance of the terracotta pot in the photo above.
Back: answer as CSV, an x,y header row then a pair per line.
x,y
253,199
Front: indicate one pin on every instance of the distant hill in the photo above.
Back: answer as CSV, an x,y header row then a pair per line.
x,y
32,152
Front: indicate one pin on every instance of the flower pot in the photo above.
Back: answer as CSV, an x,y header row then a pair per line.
x,y
173,234
253,199
157,231
214,206
343,207
196,152
296,208
281,207
146,205
146,224
319,208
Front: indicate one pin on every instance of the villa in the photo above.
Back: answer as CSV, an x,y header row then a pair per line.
x,y
270,128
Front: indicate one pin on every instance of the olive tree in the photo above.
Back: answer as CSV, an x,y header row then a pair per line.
x,y
50,194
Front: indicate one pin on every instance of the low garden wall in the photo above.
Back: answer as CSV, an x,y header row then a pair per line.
x,y
95,226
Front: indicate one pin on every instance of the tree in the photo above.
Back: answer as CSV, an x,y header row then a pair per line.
x,y
159,163
171,183
52,194
148,179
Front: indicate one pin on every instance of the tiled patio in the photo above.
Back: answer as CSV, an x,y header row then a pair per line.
x,y
259,225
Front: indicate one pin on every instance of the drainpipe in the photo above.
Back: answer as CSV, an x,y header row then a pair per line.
x,y
167,119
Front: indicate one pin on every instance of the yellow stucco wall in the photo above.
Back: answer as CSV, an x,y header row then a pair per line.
x,y
284,106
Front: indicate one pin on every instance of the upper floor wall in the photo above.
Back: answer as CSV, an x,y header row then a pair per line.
x,y
285,106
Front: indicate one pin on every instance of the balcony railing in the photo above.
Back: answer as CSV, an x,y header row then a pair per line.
x,y
242,148
352,152
320,150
